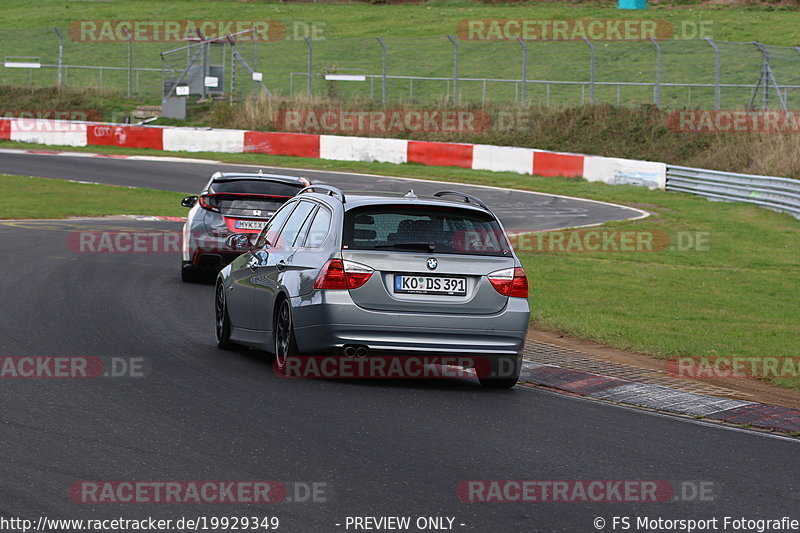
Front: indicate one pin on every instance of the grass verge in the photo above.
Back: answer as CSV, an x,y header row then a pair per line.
x,y
29,197
733,297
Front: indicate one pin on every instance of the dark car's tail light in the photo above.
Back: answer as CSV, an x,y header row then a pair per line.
x,y
209,202
338,274
510,282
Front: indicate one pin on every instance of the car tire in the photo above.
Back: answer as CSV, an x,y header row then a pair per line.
x,y
222,320
503,373
283,335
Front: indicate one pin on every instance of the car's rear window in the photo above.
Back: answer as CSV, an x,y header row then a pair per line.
x,y
434,229
237,205
256,187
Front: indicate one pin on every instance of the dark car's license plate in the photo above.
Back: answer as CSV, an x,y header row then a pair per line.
x,y
251,224
407,283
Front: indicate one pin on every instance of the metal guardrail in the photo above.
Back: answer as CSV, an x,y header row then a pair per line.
x,y
778,194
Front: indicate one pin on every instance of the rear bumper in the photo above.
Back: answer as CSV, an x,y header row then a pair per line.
x,y
326,321
212,261
208,252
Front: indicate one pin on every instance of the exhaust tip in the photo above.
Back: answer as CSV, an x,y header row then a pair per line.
x,y
362,351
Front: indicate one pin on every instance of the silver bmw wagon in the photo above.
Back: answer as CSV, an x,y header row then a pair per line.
x,y
359,275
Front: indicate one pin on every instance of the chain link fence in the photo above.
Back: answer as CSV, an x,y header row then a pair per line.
x,y
672,74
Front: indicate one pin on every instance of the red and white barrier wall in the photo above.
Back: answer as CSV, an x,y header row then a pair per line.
x,y
476,156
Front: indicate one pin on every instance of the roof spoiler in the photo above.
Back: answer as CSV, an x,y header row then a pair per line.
x,y
326,188
468,198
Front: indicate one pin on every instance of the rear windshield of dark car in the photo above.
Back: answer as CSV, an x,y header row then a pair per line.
x,y
427,229
256,187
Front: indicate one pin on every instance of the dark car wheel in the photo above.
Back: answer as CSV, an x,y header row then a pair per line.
x,y
285,344
222,320
503,373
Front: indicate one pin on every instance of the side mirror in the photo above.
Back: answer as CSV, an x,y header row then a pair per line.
x,y
189,201
239,241
258,260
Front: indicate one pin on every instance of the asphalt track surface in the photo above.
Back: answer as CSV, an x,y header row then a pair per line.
x,y
383,448
518,210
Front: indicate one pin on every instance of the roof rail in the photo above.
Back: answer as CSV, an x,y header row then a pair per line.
x,y
468,198
327,188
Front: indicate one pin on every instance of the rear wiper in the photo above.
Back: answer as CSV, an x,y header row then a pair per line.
x,y
423,246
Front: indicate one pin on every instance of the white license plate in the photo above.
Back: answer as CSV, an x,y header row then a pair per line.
x,y
430,285
251,224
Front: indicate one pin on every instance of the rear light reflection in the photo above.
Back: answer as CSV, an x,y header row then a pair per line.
x,y
510,282
338,274
208,202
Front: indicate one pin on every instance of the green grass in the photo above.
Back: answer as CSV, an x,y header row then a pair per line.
x,y
737,298
429,53
67,104
28,197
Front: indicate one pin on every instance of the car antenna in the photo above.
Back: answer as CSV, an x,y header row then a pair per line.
x,y
410,194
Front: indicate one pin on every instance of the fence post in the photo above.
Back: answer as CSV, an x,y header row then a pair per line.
x,y
717,88
233,69
657,86
310,58
163,79
591,69
60,54
383,62
524,71
767,77
130,59
455,68
765,98
205,47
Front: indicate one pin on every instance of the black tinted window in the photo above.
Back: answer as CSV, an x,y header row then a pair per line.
x,y
243,205
256,187
424,229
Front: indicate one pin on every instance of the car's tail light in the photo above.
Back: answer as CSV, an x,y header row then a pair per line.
x,y
208,202
510,282
338,274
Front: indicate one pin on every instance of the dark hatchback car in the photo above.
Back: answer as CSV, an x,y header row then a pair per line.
x,y
229,203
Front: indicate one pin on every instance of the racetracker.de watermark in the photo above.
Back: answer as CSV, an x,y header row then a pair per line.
x,y
72,367
393,367
353,121
109,31
84,115
65,122
592,29
198,492
133,242
725,367
558,241
598,241
584,491
733,121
